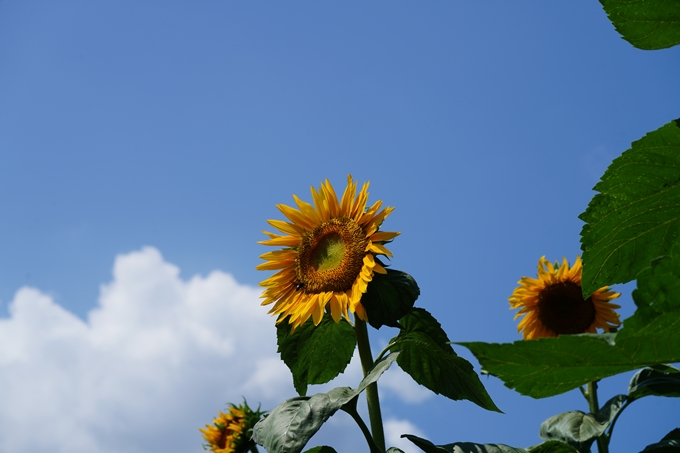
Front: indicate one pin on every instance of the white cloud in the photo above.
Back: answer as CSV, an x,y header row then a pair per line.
x,y
394,428
152,363
403,385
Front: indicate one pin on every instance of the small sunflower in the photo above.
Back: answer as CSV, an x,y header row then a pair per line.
x,y
553,304
328,257
231,432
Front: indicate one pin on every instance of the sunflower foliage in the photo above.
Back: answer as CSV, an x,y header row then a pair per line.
x,y
331,282
631,232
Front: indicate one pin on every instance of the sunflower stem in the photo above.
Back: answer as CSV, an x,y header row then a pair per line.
x,y
594,407
366,357
366,432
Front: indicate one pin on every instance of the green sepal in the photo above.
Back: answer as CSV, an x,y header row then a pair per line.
x,y
461,447
579,429
552,446
427,356
669,444
636,215
550,366
648,24
649,381
316,354
389,297
288,428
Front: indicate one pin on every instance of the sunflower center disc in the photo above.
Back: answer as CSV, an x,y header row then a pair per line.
x,y
222,442
562,309
331,257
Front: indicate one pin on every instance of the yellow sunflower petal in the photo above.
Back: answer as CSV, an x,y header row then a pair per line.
x,y
326,260
553,304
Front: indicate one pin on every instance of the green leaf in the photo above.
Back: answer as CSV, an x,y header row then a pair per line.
x,y
658,290
669,444
461,447
378,369
652,382
550,366
636,215
579,429
420,320
321,449
316,354
552,446
288,428
428,357
646,24
394,450
389,297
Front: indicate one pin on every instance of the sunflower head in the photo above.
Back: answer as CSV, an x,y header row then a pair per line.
x,y
231,432
553,304
328,255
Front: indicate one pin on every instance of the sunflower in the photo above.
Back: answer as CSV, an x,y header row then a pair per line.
x,y
328,256
553,304
231,432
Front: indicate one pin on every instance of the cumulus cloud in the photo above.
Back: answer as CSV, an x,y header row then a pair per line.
x,y
402,385
152,363
155,360
394,428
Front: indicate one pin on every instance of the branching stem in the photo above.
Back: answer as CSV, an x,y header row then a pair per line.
x,y
364,429
594,407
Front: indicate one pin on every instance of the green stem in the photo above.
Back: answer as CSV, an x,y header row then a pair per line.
x,y
364,429
594,407
366,357
253,448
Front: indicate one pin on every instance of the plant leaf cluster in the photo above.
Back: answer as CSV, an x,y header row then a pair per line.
x,y
550,366
631,232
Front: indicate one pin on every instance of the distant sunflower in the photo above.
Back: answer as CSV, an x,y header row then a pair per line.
x,y
328,257
231,432
553,304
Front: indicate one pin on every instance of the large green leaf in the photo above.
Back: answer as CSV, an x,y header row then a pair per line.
x,y
389,297
316,354
646,24
649,381
461,447
552,446
636,215
288,428
579,429
430,360
669,444
550,366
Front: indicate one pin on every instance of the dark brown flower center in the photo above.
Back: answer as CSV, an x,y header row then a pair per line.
x,y
224,435
562,309
331,256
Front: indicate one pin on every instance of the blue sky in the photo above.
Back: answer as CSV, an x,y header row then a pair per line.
x,y
179,126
